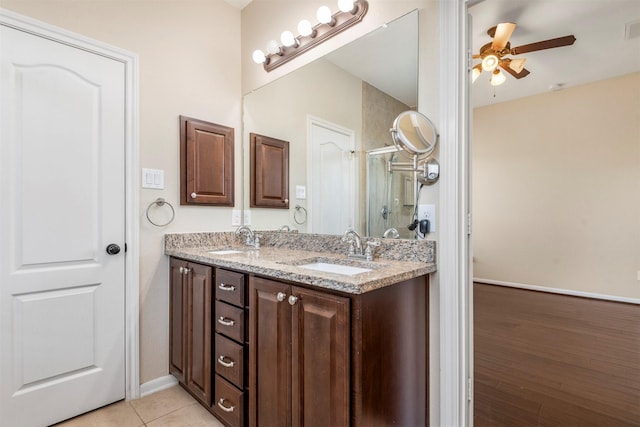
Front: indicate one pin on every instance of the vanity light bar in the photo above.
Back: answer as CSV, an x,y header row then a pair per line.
x,y
340,21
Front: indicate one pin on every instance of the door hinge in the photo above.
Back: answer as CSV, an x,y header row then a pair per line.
x,y
469,389
469,224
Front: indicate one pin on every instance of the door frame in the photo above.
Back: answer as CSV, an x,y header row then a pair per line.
x,y
132,226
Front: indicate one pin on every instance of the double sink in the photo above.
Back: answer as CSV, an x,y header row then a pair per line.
x,y
346,266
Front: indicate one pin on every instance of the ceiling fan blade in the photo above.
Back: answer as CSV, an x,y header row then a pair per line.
x,y
502,35
545,44
505,65
517,64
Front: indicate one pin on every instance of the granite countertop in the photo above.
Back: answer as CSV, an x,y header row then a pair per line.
x,y
282,263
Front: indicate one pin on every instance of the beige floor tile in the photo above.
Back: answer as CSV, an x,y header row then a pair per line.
x,y
162,403
119,414
189,416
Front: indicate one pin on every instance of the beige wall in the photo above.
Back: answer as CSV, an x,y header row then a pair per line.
x,y
189,54
556,189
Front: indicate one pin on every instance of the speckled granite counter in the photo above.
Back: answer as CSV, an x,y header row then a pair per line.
x,y
281,253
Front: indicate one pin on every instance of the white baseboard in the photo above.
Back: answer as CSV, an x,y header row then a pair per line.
x,y
558,291
157,385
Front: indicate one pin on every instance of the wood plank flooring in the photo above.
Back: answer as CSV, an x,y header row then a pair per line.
x,y
544,359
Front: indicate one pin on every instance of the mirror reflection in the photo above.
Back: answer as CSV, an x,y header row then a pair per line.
x,y
336,112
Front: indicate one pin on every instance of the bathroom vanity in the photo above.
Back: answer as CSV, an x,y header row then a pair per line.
x,y
262,338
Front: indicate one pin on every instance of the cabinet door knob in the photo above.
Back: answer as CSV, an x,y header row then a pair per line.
x,y
293,300
225,321
223,361
187,271
194,195
181,270
225,407
281,296
285,201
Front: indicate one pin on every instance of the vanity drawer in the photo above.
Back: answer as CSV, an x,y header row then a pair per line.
x,y
229,321
230,360
228,402
230,287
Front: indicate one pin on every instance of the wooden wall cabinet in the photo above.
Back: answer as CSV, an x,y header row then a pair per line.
x,y
206,163
190,308
269,166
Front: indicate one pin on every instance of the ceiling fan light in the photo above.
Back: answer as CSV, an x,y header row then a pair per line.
x,y
490,62
475,72
517,65
497,78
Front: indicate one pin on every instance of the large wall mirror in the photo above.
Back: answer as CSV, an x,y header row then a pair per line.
x,y
336,113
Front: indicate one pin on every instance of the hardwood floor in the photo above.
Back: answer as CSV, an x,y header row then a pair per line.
x,y
544,359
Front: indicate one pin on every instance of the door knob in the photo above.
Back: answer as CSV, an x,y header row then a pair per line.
x,y
113,249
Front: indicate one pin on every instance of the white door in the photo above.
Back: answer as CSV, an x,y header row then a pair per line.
x,y
62,146
332,181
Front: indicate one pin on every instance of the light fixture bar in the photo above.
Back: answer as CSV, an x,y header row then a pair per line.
x,y
343,20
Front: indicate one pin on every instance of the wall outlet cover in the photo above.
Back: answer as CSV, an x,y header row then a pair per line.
x,y
428,212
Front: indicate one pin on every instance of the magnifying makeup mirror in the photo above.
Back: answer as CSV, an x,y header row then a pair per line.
x,y
414,133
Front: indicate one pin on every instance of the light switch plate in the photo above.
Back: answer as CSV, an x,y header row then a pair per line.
x,y
236,217
301,192
153,178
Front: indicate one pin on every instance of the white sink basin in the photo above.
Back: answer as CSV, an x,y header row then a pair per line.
x,y
335,268
225,252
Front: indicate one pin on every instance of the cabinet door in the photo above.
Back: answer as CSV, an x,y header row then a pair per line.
x,y
177,319
206,163
320,359
199,331
269,172
270,353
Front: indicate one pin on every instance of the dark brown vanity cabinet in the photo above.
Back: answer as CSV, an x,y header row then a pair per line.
x,y
261,352
206,163
190,327
269,163
299,356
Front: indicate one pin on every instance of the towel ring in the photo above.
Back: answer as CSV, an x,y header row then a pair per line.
x,y
161,202
295,215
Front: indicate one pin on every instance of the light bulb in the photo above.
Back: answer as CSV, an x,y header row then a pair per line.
x,y
475,73
489,62
497,78
258,56
324,15
273,47
345,5
305,28
288,39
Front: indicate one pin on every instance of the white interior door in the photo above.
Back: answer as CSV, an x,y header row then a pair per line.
x,y
62,180
332,180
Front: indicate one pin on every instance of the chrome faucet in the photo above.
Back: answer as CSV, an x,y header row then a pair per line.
x,y
252,239
352,237
391,232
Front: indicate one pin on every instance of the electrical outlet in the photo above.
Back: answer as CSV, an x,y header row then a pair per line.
x,y
235,217
428,212
247,217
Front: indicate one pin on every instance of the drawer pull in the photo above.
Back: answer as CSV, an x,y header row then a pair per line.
x,y
223,361
225,287
225,321
224,407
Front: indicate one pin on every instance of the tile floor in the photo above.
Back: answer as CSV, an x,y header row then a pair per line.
x,y
172,407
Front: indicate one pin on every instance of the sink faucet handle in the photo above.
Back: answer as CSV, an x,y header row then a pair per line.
x,y
371,245
256,240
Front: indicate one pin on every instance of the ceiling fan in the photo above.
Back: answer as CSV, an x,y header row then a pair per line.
x,y
493,53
